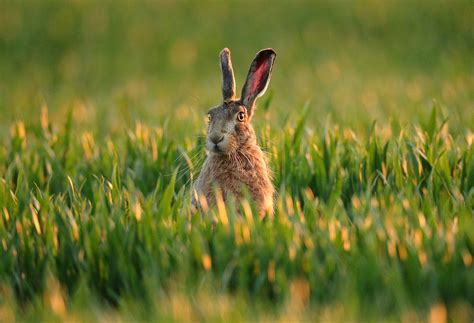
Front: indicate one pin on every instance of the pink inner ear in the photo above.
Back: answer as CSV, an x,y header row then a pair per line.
x,y
258,77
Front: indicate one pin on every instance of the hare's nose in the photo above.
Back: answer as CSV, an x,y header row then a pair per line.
x,y
215,139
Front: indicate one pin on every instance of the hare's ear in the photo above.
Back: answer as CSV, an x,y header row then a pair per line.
x,y
258,77
228,80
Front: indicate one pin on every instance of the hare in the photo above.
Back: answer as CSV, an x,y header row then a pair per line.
x,y
234,160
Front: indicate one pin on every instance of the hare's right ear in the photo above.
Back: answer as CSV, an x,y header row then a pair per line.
x,y
258,78
228,80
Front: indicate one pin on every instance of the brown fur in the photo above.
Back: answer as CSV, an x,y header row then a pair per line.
x,y
235,161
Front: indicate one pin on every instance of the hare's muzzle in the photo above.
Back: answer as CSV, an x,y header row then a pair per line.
x,y
216,143
215,140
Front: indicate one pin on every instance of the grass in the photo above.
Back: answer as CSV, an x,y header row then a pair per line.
x,y
384,221
368,129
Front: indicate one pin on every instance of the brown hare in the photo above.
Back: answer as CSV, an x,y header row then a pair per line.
x,y
235,161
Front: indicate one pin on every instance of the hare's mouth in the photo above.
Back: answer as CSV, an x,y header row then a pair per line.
x,y
217,145
217,149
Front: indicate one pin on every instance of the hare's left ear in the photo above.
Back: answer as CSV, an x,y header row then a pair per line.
x,y
258,78
228,80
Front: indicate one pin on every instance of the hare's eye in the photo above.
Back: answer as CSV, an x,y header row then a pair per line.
x,y
241,116
209,118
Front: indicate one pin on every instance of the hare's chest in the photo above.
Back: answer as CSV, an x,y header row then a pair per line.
x,y
229,179
241,172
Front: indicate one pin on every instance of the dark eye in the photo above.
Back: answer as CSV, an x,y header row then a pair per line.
x,y
209,118
241,116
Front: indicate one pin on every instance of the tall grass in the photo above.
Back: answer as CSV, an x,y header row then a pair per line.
x,y
383,221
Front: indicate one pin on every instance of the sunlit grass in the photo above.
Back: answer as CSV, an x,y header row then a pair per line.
x,y
384,220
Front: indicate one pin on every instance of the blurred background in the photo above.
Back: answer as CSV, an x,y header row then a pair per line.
x,y
113,63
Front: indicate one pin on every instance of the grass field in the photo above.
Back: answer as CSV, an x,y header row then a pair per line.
x,y
368,126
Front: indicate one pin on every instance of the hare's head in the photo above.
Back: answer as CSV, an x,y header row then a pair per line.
x,y
229,123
